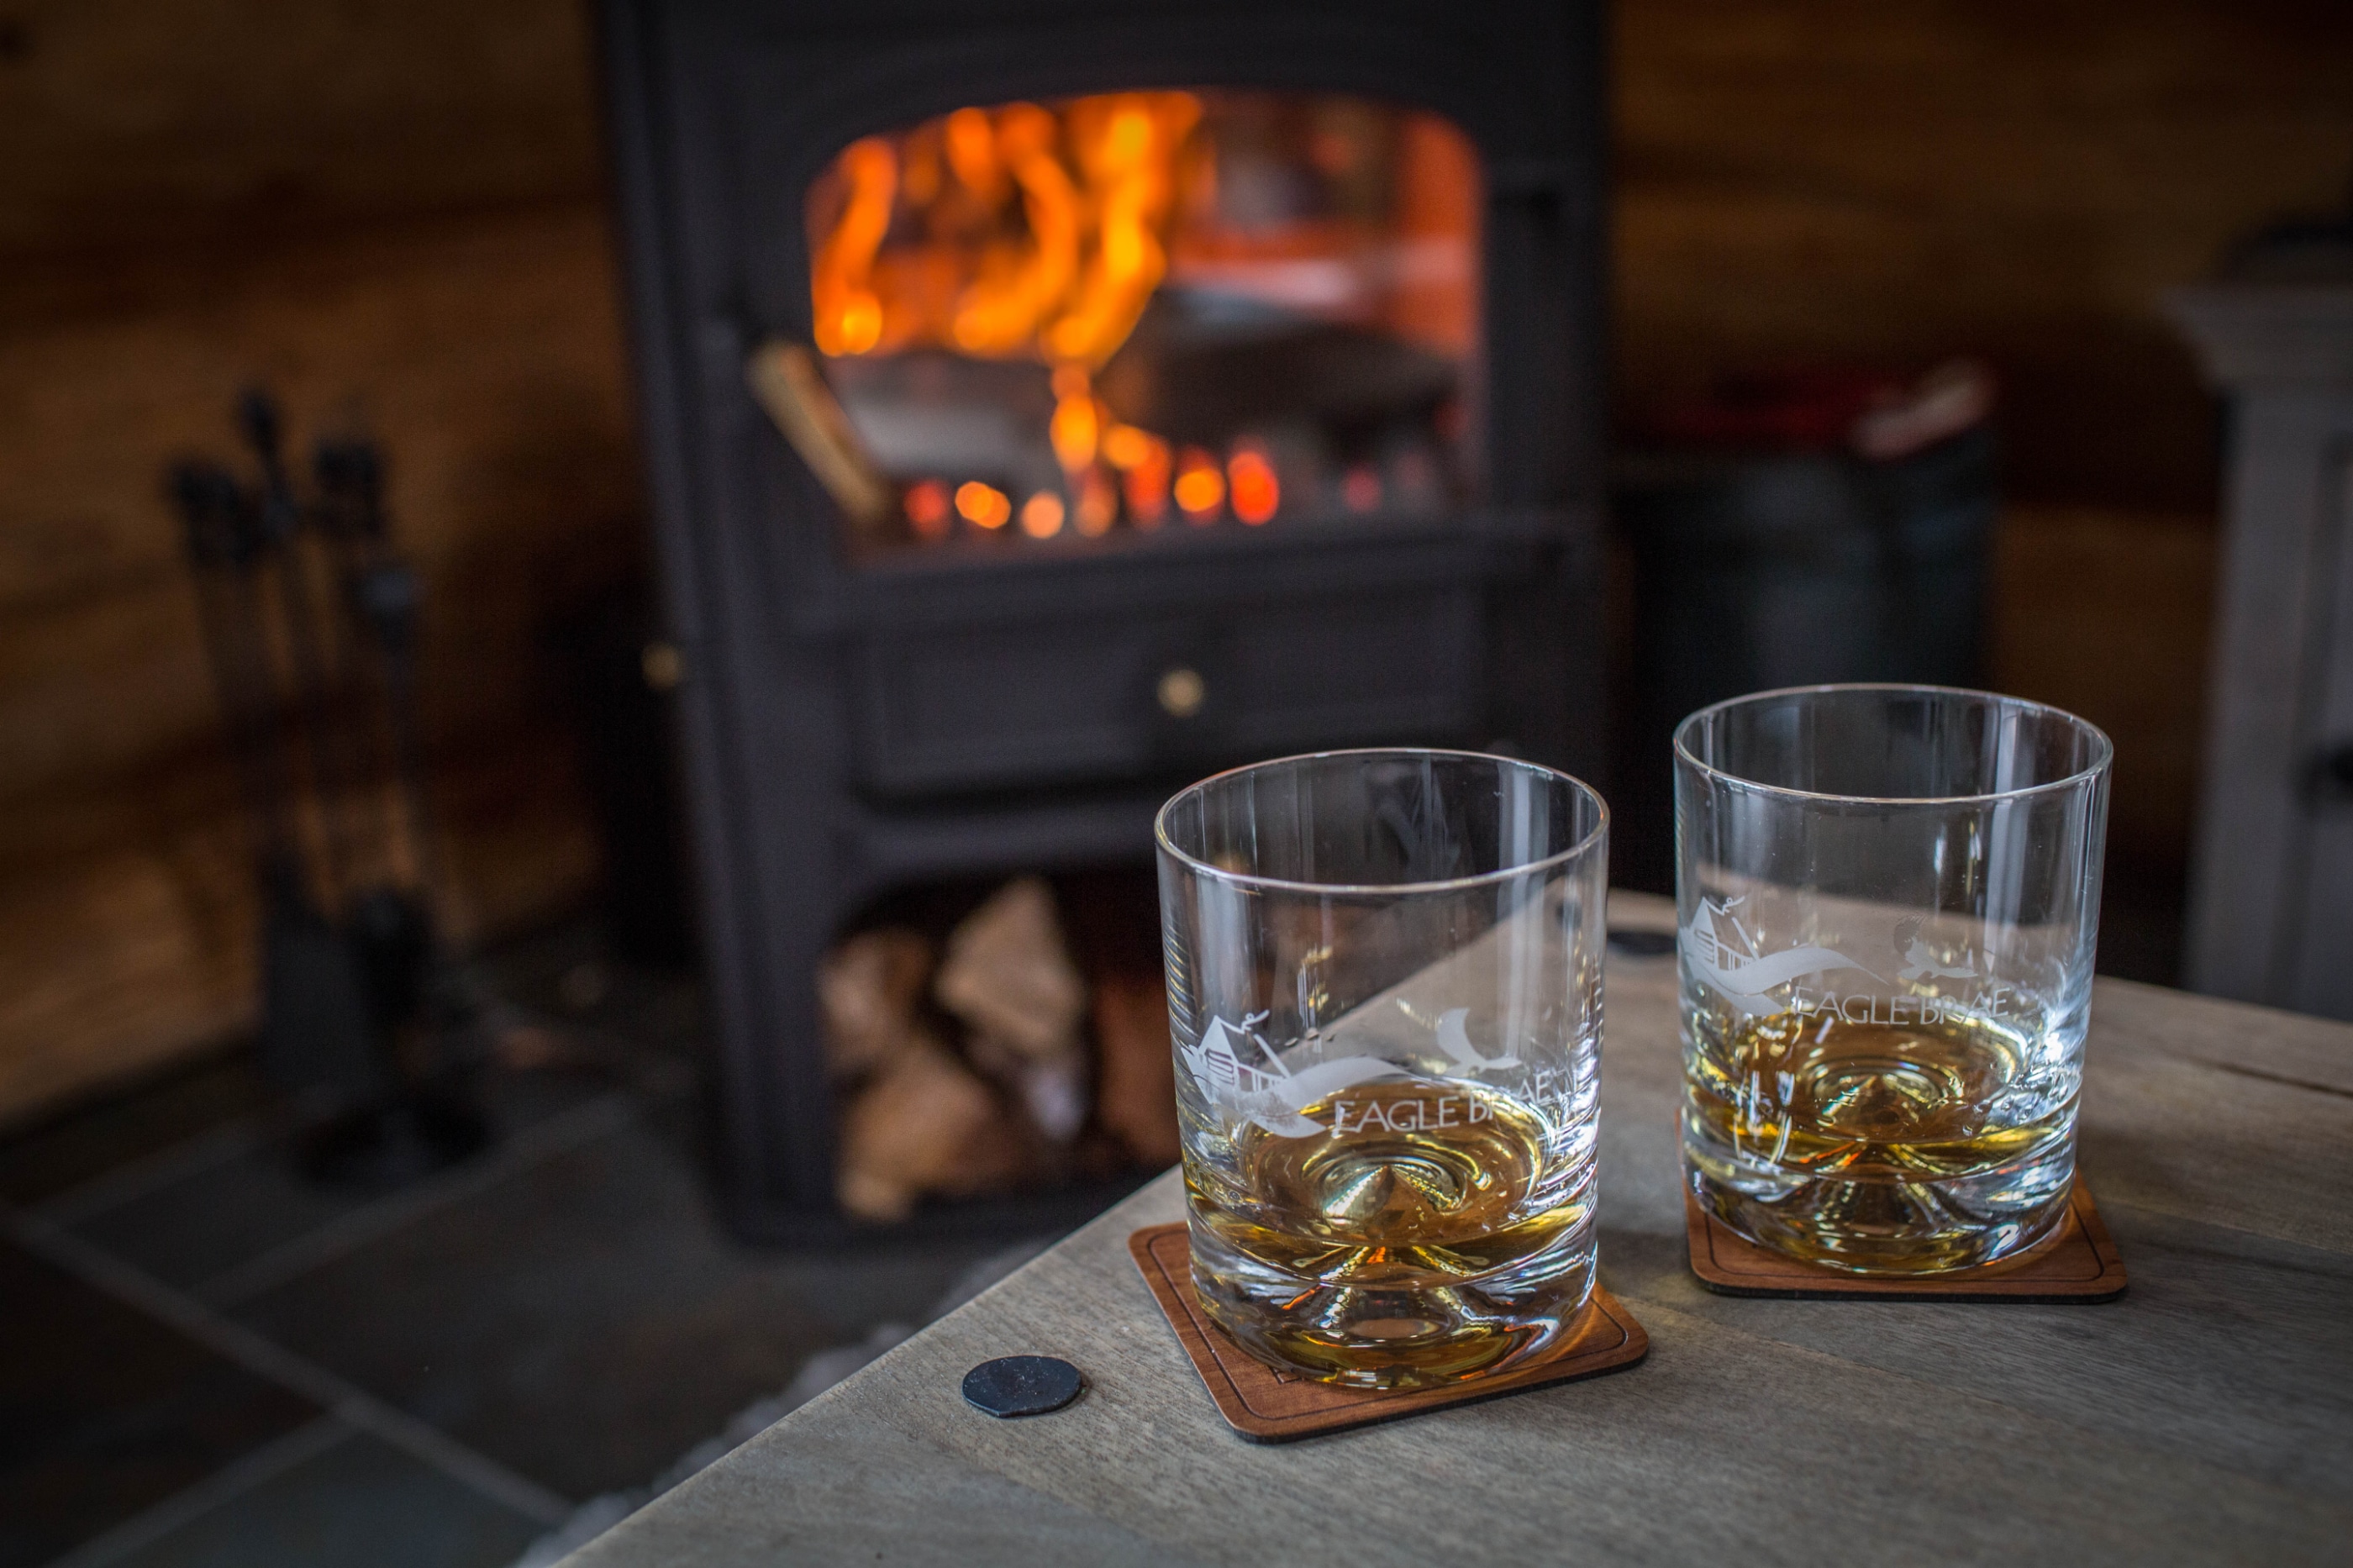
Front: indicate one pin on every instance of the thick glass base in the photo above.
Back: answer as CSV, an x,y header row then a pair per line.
x,y
1882,1221
1365,1321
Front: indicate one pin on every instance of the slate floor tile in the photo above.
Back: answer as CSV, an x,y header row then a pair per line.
x,y
584,1319
107,1412
95,1140
359,1504
215,1219
588,1320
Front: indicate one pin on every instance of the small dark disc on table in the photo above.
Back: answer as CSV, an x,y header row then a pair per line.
x,y
1021,1385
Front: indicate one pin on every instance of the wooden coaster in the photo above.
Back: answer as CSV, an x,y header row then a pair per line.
x,y
1270,1406
2079,1264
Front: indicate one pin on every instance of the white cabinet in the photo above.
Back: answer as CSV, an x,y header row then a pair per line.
x,y
2270,895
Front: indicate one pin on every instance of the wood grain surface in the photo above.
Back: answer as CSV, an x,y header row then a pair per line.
x,y
2207,1416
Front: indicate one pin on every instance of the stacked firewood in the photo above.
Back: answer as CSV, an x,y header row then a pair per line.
x,y
989,1062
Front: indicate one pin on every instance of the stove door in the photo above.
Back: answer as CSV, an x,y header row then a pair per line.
x,y
1058,324
1077,698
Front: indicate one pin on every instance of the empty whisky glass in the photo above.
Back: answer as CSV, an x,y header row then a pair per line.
x,y
1385,991
1888,898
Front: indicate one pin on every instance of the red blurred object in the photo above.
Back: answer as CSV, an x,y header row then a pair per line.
x,y
1874,413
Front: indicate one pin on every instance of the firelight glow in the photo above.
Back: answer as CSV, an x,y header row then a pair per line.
x,y
1036,234
848,312
1077,419
983,506
1125,447
1098,504
1251,481
1096,180
1041,515
927,509
1200,489
1146,480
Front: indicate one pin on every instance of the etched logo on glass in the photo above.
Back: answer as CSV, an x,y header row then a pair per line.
x,y
1246,1078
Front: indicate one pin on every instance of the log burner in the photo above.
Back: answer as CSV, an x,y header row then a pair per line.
x,y
1048,407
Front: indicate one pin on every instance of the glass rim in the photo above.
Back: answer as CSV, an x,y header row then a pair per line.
x,y
2097,766
1202,867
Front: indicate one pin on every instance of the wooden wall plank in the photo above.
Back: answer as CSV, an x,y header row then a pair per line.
x,y
134,123
2108,614
485,350
116,958
1824,178
486,354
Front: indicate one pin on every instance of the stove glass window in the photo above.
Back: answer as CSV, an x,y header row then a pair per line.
x,y
1045,324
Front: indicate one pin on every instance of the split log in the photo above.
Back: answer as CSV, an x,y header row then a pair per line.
x,y
926,1126
1008,974
869,990
1010,977
1136,1097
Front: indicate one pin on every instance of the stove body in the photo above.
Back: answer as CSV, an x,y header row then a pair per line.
x,y
855,720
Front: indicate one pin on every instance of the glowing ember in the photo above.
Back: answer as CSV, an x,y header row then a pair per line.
x,y
927,509
983,506
1251,481
1041,515
1200,489
1098,503
1145,481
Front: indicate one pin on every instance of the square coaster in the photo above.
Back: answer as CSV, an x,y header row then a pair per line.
x,y
1270,1406
2078,1264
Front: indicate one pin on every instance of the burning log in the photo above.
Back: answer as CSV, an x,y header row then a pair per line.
x,y
1136,1093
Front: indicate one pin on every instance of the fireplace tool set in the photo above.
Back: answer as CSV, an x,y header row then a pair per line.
x,y
310,620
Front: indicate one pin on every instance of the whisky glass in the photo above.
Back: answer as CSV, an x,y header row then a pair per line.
x,y
1888,898
1385,994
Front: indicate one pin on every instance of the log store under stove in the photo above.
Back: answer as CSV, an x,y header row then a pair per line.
x,y
1047,404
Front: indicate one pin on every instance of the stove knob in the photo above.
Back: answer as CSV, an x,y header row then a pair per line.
x,y
1181,692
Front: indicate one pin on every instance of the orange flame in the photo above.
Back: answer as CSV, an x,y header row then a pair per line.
x,y
1127,144
1064,279
1077,419
849,312
1125,447
998,312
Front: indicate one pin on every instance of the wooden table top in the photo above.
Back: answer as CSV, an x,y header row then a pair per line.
x,y
2207,1416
